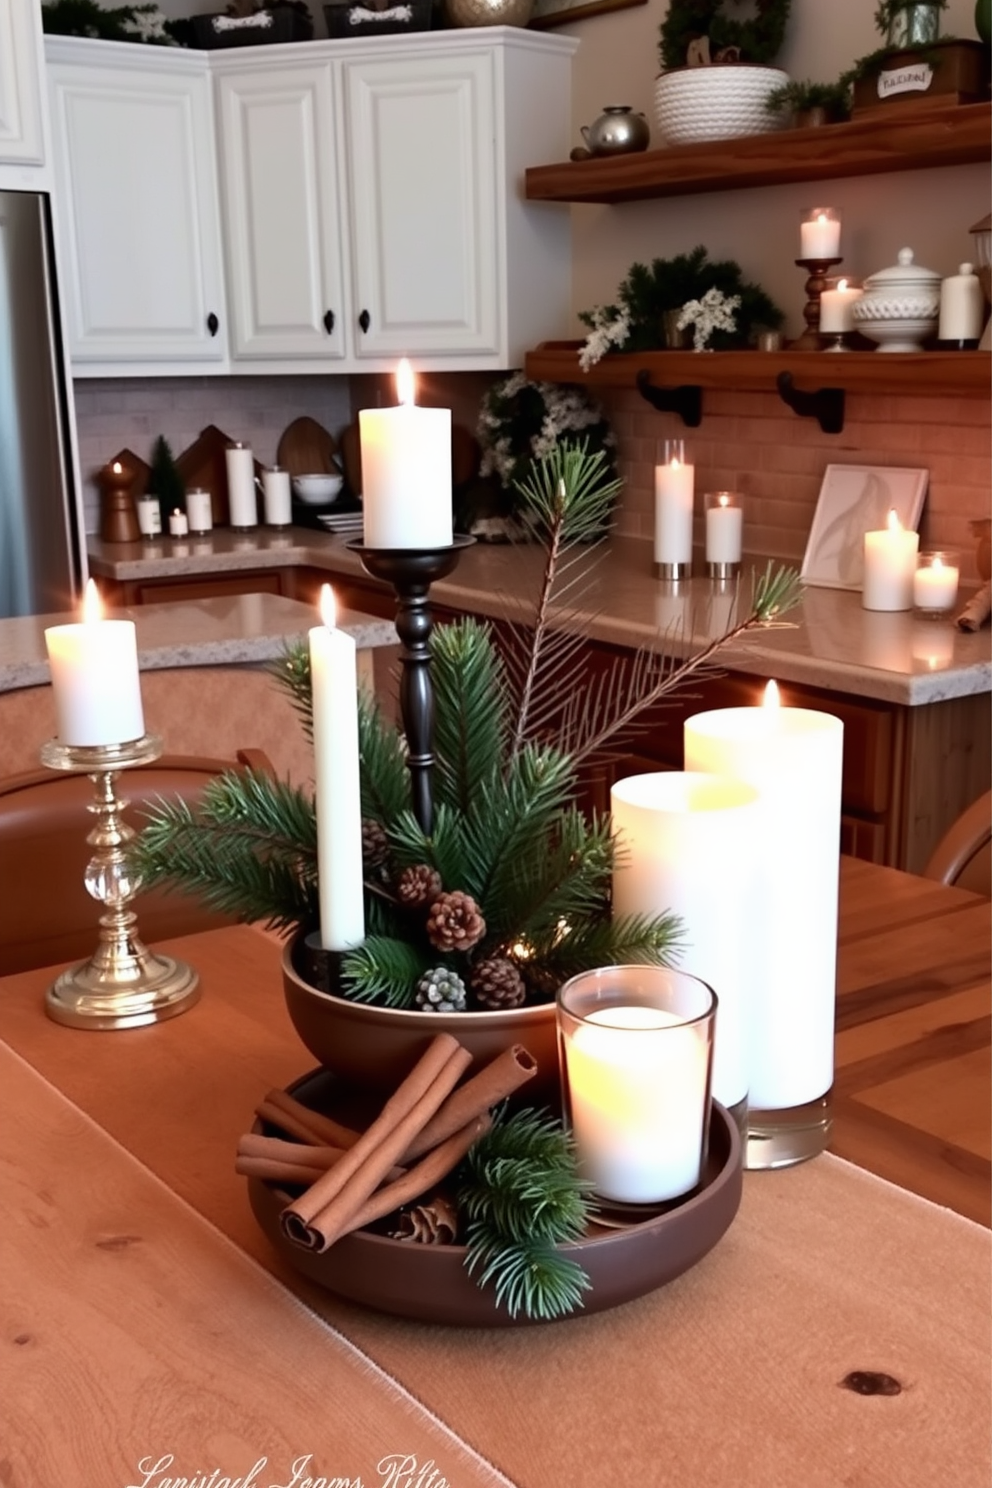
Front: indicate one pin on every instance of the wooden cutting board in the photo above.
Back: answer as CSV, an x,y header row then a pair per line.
x,y
306,448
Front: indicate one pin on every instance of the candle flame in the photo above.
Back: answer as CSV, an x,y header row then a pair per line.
x,y
117,467
404,382
92,608
328,607
772,697
822,219
937,562
723,499
841,283
676,462
893,523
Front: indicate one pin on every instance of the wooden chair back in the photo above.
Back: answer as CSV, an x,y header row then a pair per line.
x,y
963,856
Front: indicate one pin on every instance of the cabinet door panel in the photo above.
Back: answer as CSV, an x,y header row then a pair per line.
x,y
281,197
20,105
135,172
421,148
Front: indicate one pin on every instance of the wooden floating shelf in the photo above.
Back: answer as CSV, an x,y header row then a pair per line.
x,y
901,140
965,374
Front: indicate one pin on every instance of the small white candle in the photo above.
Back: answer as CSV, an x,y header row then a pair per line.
x,y
94,667
819,235
837,308
406,472
199,510
276,497
935,583
334,682
889,566
637,1092
178,525
724,528
674,484
149,516
241,494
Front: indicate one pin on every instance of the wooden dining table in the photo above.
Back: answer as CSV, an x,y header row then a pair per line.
x,y
838,1336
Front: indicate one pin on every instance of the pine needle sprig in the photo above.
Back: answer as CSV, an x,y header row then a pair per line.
x,y
514,815
602,941
450,848
384,971
291,671
569,880
520,1190
471,702
385,779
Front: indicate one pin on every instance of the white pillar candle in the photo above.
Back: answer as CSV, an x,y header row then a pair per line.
x,y
819,234
673,496
793,758
199,510
334,681
685,843
242,498
94,667
178,524
277,500
637,1093
962,306
724,528
889,567
935,583
837,308
149,516
406,472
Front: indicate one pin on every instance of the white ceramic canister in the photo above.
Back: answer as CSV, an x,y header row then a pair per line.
x,y
900,305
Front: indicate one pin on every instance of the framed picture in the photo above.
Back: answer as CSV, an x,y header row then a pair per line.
x,y
548,13
855,499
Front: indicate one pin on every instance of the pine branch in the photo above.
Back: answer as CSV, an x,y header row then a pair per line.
x,y
470,707
514,816
384,971
567,880
629,939
292,673
385,779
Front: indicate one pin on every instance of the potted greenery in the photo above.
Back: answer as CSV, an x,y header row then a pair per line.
x,y
809,104
717,70
948,66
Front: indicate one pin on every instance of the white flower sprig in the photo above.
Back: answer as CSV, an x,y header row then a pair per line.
x,y
714,312
610,327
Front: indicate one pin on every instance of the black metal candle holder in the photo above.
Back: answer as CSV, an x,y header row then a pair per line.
x,y
816,283
412,571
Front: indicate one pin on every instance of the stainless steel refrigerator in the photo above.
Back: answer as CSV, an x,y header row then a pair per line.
x,y
40,538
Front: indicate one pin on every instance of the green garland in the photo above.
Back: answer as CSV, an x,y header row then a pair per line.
x,y
757,40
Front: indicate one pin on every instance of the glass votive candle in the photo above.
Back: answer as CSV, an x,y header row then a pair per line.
x,y
724,528
935,583
635,1048
819,235
674,486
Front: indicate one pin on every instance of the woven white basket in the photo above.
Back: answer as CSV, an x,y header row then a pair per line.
x,y
713,103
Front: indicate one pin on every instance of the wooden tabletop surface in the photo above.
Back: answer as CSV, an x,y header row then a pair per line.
x,y
133,1329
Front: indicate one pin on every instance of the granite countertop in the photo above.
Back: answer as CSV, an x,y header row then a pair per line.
x,y
207,632
830,642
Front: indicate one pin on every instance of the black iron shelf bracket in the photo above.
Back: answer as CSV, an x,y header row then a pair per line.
x,y
826,405
686,401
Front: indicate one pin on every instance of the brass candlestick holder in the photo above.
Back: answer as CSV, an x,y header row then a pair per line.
x,y
123,984
816,283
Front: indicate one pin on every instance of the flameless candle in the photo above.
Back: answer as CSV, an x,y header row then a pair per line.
x,y
890,566
935,583
819,234
636,1078
837,308
406,472
334,683
673,494
724,527
792,757
95,680
685,844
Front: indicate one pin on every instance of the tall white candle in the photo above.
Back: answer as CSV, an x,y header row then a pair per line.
x,y
837,308
94,667
406,472
241,494
819,235
724,528
637,1093
793,758
889,567
685,843
333,673
674,483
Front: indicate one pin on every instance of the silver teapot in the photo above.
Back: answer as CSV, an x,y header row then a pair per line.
x,y
617,131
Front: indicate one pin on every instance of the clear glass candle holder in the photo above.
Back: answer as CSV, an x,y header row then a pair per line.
x,y
635,1047
819,235
935,583
724,518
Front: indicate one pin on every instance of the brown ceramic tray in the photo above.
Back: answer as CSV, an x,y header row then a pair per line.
x,y
430,1283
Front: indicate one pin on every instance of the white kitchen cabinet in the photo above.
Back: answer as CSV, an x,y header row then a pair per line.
x,y
138,220
21,137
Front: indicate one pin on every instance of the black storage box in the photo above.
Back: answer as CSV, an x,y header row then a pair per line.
x,y
353,18
262,27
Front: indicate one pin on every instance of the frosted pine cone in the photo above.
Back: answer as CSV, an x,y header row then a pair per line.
x,y
455,923
418,886
440,991
375,844
496,984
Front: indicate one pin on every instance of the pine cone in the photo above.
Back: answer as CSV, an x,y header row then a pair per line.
x,y
418,886
496,984
440,991
375,844
454,923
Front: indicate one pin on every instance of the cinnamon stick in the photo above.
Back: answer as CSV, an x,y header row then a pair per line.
x,y
256,1144
273,1170
281,1109
500,1078
977,610
437,1164
339,1192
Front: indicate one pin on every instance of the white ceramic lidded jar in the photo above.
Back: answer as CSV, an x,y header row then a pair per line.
x,y
900,305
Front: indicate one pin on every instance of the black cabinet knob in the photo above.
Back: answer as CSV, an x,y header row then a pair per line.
x,y
329,321
213,324
365,320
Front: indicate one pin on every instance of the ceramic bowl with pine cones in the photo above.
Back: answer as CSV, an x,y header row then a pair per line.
x,y
378,1046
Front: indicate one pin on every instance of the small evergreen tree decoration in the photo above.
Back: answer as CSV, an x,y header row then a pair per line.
x,y
165,482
